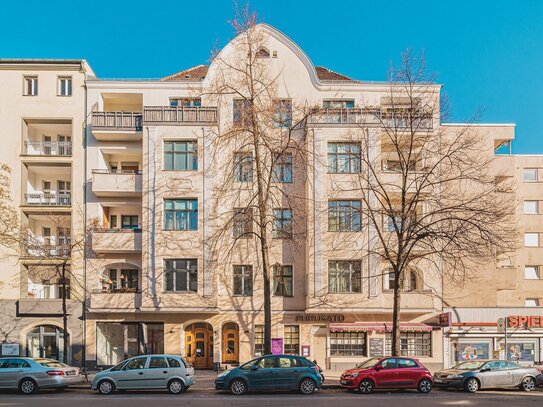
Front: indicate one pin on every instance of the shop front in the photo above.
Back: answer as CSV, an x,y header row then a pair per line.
x,y
515,334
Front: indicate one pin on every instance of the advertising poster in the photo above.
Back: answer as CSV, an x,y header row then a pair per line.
x,y
277,346
471,351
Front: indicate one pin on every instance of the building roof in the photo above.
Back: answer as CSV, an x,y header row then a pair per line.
x,y
199,72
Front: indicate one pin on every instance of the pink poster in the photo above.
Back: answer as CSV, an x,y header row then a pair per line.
x,y
277,346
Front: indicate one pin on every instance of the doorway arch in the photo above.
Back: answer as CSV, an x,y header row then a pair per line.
x,y
199,345
230,343
46,341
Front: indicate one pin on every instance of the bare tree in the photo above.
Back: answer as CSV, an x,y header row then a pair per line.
x,y
9,225
266,141
428,191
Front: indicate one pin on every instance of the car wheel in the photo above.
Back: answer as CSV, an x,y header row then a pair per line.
x,y
307,386
425,386
365,386
471,385
238,387
176,386
28,386
106,387
528,384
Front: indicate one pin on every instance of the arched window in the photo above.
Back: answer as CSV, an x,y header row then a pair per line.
x,y
45,341
262,53
411,281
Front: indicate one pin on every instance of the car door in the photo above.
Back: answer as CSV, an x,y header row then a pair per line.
x,y
263,374
493,374
11,370
408,372
157,372
387,373
132,376
517,372
286,373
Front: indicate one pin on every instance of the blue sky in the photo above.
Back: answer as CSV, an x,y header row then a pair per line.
x,y
488,54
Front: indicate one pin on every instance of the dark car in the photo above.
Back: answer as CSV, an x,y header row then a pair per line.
x,y
272,372
388,373
484,374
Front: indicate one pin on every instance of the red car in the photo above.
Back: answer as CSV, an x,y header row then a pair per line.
x,y
388,373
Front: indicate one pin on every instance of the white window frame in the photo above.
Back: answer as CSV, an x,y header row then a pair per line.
x,y
531,302
31,90
531,272
531,211
68,87
528,239
527,170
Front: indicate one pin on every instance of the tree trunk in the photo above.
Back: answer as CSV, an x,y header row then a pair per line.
x,y
395,349
64,317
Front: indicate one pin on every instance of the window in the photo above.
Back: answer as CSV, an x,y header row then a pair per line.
x,y
181,214
181,275
410,281
393,222
242,112
406,363
137,363
130,222
173,362
347,344
243,167
292,340
243,280
157,362
344,158
531,302
344,276
186,102
338,104
282,224
30,86
262,53
283,113
259,339
14,364
531,207
344,216
64,86
531,239
282,168
531,272
530,175
124,280
415,344
242,222
282,281
181,155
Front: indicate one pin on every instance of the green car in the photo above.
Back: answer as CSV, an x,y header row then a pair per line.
x,y
272,372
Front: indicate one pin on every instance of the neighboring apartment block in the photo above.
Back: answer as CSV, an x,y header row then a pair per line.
x,y
129,164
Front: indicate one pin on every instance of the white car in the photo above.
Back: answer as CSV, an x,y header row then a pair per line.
x,y
31,374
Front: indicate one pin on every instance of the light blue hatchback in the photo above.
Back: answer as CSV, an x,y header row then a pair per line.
x,y
170,372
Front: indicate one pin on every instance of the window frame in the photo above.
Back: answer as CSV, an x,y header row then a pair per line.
x,y
342,218
242,223
190,156
536,273
354,160
188,218
282,116
526,234
68,86
530,201
189,272
33,90
349,273
282,227
291,339
341,344
526,170
410,349
283,169
242,160
281,278
243,272
258,334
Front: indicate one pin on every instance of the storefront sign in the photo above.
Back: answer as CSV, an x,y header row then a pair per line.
x,y
376,347
445,319
306,350
525,321
277,346
10,349
320,318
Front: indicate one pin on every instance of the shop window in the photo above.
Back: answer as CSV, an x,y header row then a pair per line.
x,y
471,351
347,344
521,352
344,276
259,340
292,339
415,344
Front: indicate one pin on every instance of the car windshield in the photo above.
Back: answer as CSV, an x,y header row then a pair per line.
x,y
118,367
368,363
249,365
51,363
470,365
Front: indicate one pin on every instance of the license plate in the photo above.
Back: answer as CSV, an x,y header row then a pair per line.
x,y
70,373
438,380
343,381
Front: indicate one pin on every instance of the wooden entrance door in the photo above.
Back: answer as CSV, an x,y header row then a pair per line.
x,y
230,343
199,345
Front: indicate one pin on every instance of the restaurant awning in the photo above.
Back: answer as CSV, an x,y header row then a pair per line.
x,y
380,327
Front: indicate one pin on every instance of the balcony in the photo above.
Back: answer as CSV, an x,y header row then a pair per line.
x,y
46,251
115,300
117,126
39,306
369,118
179,115
45,202
48,148
116,241
116,183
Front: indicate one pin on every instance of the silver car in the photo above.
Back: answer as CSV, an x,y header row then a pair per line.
x,y
485,374
30,374
146,372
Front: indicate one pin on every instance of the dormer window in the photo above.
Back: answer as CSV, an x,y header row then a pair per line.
x,y
262,53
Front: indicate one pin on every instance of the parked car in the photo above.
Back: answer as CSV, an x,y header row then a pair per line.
x,y
170,372
31,374
272,372
474,375
388,373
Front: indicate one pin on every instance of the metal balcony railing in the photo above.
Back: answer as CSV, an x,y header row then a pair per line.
x,y
48,148
42,199
371,118
47,251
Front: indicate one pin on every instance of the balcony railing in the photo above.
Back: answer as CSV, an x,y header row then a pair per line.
x,y
116,182
117,120
371,118
47,251
48,148
179,114
42,199
116,240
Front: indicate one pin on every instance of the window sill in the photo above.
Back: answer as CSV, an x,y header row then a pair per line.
x,y
179,230
345,292
179,292
242,295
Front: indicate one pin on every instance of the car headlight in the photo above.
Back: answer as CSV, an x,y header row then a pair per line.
x,y
454,376
354,375
222,374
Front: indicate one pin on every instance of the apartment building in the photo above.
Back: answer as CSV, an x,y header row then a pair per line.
x,y
42,118
148,186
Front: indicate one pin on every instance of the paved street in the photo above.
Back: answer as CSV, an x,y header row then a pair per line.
x,y
83,398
